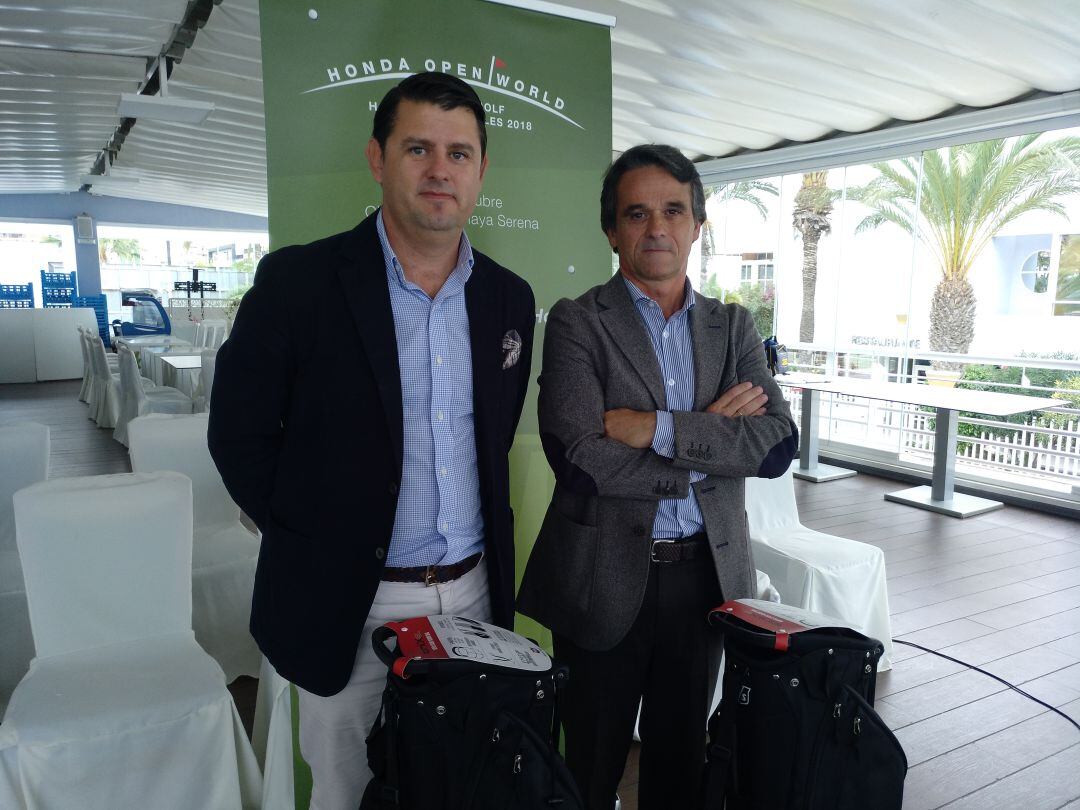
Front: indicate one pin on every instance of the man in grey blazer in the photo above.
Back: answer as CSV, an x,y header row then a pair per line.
x,y
655,404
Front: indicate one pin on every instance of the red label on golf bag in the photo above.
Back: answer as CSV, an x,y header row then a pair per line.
x,y
450,638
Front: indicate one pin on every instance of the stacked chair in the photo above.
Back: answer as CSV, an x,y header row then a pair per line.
x,y
24,460
817,571
121,707
140,396
85,335
90,387
224,550
104,397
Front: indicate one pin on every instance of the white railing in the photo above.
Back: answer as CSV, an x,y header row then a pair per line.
x,y
1045,447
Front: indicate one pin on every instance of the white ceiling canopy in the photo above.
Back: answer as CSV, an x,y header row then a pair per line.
x,y
712,78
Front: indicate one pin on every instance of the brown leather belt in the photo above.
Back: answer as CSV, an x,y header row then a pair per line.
x,y
432,574
680,549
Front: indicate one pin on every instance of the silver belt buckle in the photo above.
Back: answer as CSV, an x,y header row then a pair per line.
x,y
652,549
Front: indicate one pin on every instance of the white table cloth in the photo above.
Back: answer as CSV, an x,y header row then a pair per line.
x,y
181,371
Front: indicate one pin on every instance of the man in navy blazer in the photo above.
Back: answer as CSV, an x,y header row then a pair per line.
x,y
363,410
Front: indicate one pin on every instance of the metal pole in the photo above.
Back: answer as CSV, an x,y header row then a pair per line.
x,y
941,486
811,408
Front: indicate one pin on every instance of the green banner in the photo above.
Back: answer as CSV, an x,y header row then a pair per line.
x,y
545,82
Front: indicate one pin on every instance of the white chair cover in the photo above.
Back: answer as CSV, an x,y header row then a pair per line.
x,y
272,739
121,708
24,460
817,571
85,337
84,389
105,402
206,381
139,396
224,553
93,390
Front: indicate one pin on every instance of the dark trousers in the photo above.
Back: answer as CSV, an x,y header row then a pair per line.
x,y
664,662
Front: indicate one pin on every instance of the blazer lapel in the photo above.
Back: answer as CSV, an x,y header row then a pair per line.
x,y
485,340
709,329
363,279
622,321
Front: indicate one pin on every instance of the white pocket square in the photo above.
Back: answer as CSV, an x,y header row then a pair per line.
x,y
511,347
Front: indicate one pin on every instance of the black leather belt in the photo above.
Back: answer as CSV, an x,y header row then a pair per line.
x,y
680,549
431,574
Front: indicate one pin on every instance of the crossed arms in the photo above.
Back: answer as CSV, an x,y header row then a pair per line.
x,y
598,430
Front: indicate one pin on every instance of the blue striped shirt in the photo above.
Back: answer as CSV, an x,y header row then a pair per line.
x,y
438,519
674,347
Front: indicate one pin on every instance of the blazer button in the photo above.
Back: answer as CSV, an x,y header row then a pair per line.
x,y
393,488
639,530
380,552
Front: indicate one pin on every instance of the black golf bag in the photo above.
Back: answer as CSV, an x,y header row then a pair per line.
x,y
468,721
796,728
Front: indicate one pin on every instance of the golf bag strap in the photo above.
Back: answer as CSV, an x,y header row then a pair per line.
x,y
720,773
559,678
391,789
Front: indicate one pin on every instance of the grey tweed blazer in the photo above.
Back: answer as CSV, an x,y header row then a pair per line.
x,y
586,576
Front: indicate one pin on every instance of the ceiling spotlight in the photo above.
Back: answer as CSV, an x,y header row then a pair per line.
x,y
163,107
170,108
107,180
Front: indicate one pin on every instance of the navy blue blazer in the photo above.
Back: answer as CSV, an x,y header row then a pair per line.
x,y
306,430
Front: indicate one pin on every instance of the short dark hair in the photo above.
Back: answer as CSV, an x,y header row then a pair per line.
x,y
668,158
441,89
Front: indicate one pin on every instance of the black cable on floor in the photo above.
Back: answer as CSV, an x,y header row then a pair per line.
x,y
989,675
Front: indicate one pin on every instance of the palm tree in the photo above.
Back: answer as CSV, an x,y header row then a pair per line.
x,y
126,251
967,194
813,204
742,190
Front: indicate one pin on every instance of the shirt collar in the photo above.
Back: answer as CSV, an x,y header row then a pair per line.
x,y
463,268
640,298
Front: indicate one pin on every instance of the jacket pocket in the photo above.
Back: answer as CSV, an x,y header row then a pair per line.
x,y
562,564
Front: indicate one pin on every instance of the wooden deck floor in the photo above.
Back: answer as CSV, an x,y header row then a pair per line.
x,y
1001,591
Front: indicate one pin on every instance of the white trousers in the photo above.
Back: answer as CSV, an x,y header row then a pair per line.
x,y
333,729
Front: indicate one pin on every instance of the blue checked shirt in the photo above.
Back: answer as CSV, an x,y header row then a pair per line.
x,y
674,349
438,519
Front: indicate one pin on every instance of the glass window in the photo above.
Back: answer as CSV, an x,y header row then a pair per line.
x,y
956,266
1035,271
197,275
740,233
1067,289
